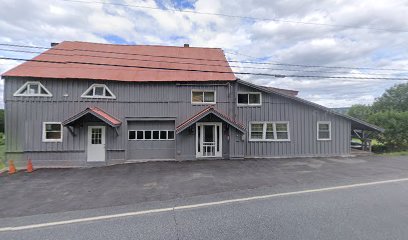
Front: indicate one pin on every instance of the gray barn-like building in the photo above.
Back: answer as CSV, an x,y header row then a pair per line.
x,y
85,104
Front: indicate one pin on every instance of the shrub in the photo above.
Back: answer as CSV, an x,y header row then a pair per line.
x,y
379,148
395,124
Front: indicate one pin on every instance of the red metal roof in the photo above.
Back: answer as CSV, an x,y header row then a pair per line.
x,y
201,114
143,57
99,113
106,116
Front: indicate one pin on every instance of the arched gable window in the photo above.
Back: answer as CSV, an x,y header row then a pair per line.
x,y
32,89
98,91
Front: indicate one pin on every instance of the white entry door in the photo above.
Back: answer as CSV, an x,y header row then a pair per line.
x,y
208,139
96,144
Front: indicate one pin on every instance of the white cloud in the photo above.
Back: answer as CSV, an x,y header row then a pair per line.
x,y
41,22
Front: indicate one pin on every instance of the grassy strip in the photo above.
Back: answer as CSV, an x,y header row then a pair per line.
x,y
401,153
373,141
2,156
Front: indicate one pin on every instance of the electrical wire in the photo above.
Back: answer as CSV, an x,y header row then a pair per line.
x,y
205,71
237,16
206,59
188,63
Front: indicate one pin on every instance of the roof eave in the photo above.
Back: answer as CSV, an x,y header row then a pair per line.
x,y
203,115
85,112
368,125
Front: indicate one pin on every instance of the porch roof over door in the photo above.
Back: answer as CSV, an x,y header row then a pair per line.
x,y
205,112
95,112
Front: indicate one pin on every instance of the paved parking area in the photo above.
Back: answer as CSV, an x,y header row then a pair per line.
x,y
60,190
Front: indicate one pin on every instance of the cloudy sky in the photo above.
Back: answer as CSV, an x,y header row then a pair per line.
x,y
328,34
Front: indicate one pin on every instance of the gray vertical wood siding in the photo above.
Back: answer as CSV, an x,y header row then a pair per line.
x,y
24,117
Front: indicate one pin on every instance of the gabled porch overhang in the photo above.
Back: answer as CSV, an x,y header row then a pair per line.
x,y
90,114
206,112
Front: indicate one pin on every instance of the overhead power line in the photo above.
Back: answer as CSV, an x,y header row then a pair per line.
x,y
205,71
206,59
237,16
189,63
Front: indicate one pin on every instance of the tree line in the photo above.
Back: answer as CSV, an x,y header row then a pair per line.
x,y
390,111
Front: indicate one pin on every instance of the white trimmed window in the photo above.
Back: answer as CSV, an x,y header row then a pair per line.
x,y
202,97
151,135
269,131
32,89
52,132
323,130
249,99
98,91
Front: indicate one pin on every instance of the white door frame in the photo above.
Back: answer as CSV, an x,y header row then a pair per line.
x,y
200,151
96,152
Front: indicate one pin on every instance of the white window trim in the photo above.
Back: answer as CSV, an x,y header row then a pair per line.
x,y
167,135
203,91
44,139
17,94
92,87
264,132
330,130
250,104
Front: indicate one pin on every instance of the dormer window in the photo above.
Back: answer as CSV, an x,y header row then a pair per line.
x,y
98,91
32,89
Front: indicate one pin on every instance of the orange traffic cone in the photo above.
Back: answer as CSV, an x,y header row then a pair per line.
x,y
30,168
12,168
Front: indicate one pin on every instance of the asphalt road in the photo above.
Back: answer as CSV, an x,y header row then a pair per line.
x,y
63,190
377,211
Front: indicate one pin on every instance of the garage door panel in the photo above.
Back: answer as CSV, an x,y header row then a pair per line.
x,y
151,149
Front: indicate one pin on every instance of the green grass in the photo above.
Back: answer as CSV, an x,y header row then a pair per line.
x,y
2,157
401,153
373,141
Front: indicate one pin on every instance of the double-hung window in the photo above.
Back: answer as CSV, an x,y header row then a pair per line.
x,y
249,99
269,131
202,97
323,130
52,132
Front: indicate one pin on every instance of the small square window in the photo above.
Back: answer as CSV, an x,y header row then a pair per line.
x,y
99,91
255,98
148,135
170,135
242,98
209,97
163,135
139,135
132,135
156,135
33,88
197,97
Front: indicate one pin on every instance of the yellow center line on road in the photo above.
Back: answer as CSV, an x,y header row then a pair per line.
x,y
201,205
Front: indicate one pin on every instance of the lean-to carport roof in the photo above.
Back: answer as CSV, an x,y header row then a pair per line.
x,y
355,123
205,112
98,113
130,63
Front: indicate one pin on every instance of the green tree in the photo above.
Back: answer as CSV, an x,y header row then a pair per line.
x,y
395,124
394,98
360,111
